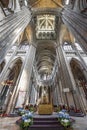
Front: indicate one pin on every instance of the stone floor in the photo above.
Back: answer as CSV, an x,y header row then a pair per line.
x,y
80,123
8,123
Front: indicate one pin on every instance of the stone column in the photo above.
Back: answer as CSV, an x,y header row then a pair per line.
x,y
55,97
84,66
59,89
2,15
10,4
23,86
76,6
61,79
33,95
62,96
25,2
17,6
11,28
14,5
66,79
7,68
74,93
77,24
80,5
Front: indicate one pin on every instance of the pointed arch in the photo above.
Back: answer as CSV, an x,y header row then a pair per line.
x,y
2,66
9,86
79,75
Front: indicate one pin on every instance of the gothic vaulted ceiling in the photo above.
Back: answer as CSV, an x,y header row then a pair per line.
x,y
45,34
39,3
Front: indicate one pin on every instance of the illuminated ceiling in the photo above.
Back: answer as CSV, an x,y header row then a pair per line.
x,y
39,3
45,28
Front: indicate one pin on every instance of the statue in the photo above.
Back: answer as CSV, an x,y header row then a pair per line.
x,y
44,96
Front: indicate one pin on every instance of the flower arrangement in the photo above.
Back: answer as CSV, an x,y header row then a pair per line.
x,y
31,108
26,120
65,122
21,111
64,118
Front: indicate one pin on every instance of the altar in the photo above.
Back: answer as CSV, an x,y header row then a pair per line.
x,y
45,109
45,106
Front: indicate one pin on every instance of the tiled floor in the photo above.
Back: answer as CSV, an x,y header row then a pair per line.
x,y
8,123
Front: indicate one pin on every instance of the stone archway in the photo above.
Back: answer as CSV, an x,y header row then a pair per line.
x,y
9,88
80,80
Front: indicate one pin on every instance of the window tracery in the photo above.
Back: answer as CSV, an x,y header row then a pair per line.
x,y
45,28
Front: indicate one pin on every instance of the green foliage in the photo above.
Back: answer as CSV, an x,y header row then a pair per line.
x,y
26,123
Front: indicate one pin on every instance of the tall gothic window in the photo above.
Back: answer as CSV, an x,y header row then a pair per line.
x,y
67,47
78,47
67,2
24,46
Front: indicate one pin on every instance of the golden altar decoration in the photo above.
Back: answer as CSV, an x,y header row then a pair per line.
x,y
45,109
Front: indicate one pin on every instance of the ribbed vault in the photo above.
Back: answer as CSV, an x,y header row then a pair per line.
x,y
45,58
38,3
